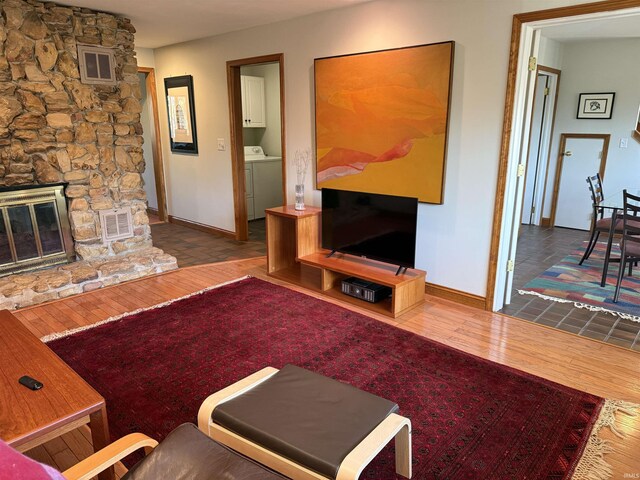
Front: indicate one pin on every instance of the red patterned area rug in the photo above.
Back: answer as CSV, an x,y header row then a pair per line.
x,y
472,419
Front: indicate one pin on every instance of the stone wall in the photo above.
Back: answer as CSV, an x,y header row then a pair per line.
x,y
54,128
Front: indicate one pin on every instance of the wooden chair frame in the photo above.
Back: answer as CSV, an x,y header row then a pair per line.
x,y
630,234
109,456
394,426
597,195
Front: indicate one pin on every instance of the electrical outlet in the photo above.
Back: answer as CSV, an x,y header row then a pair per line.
x,y
221,145
624,142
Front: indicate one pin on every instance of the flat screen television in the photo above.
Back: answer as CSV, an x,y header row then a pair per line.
x,y
371,225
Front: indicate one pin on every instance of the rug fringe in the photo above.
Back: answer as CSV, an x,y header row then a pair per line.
x,y
592,308
592,465
66,333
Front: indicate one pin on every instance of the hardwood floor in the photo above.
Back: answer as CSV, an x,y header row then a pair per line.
x,y
582,363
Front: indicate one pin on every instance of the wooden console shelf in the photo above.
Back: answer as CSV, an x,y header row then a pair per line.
x,y
294,255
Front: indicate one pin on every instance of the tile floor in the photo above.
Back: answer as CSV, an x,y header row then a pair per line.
x,y
193,247
540,248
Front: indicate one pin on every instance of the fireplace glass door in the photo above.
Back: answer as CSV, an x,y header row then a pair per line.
x,y
33,227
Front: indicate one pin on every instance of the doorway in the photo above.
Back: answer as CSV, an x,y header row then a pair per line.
x,y
580,156
525,44
258,131
153,174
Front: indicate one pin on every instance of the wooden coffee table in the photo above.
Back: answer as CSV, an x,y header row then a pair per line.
x,y
29,418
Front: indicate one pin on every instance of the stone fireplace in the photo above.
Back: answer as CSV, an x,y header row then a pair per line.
x,y
56,129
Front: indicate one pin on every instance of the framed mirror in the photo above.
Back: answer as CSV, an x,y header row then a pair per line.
x,y
636,132
182,114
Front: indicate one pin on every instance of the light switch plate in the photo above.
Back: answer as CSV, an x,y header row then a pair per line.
x,y
221,145
624,142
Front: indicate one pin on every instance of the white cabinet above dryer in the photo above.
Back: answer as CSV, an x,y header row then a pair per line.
x,y
253,102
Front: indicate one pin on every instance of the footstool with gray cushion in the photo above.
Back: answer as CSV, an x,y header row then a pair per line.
x,y
305,425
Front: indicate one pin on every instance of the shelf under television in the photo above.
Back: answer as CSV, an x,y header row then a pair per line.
x,y
294,255
407,289
361,267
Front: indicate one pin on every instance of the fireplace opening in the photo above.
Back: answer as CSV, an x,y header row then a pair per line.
x,y
34,228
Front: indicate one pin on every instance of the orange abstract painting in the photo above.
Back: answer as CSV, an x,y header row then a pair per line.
x,y
381,121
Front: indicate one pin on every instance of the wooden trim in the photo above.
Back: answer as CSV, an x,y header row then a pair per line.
x,y
545,222
503,165
156,143
454,295
237,146
573,10
201,227
153,211
558,73
518,21
636,133
563,140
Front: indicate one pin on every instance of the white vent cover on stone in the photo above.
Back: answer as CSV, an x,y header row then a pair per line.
x,y
116,224
96,65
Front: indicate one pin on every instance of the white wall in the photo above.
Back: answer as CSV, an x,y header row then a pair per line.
x,y
550,53
145,57
453,238
146,119
596,67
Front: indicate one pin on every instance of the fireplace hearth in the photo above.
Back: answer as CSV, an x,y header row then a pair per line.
x,y
34,228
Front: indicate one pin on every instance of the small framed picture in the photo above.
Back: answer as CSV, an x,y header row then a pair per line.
x,y
596,105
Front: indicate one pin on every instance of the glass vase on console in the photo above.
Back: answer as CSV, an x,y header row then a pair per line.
x,y
302,159
299,196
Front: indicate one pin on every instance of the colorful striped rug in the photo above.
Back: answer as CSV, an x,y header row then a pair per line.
x,y
569,282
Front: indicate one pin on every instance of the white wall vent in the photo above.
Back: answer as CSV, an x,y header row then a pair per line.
x,y
96,65
116,224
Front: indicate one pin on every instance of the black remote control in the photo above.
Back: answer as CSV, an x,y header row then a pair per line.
x,y
31,383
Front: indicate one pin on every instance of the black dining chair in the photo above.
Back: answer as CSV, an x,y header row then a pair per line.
x,y
599,222
630,244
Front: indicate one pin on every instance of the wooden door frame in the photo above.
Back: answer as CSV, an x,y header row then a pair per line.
x,y
605,137
156,142
236,144
517,24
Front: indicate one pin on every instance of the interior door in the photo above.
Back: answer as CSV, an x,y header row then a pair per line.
x,y
533,160
580,156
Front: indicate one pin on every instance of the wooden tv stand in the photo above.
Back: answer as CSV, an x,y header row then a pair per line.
x,y
294,255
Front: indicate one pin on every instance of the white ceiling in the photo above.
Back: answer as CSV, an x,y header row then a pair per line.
x,y
596,29
164,22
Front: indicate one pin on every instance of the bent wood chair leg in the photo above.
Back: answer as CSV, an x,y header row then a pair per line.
x,y
590,246
392,426
403,451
